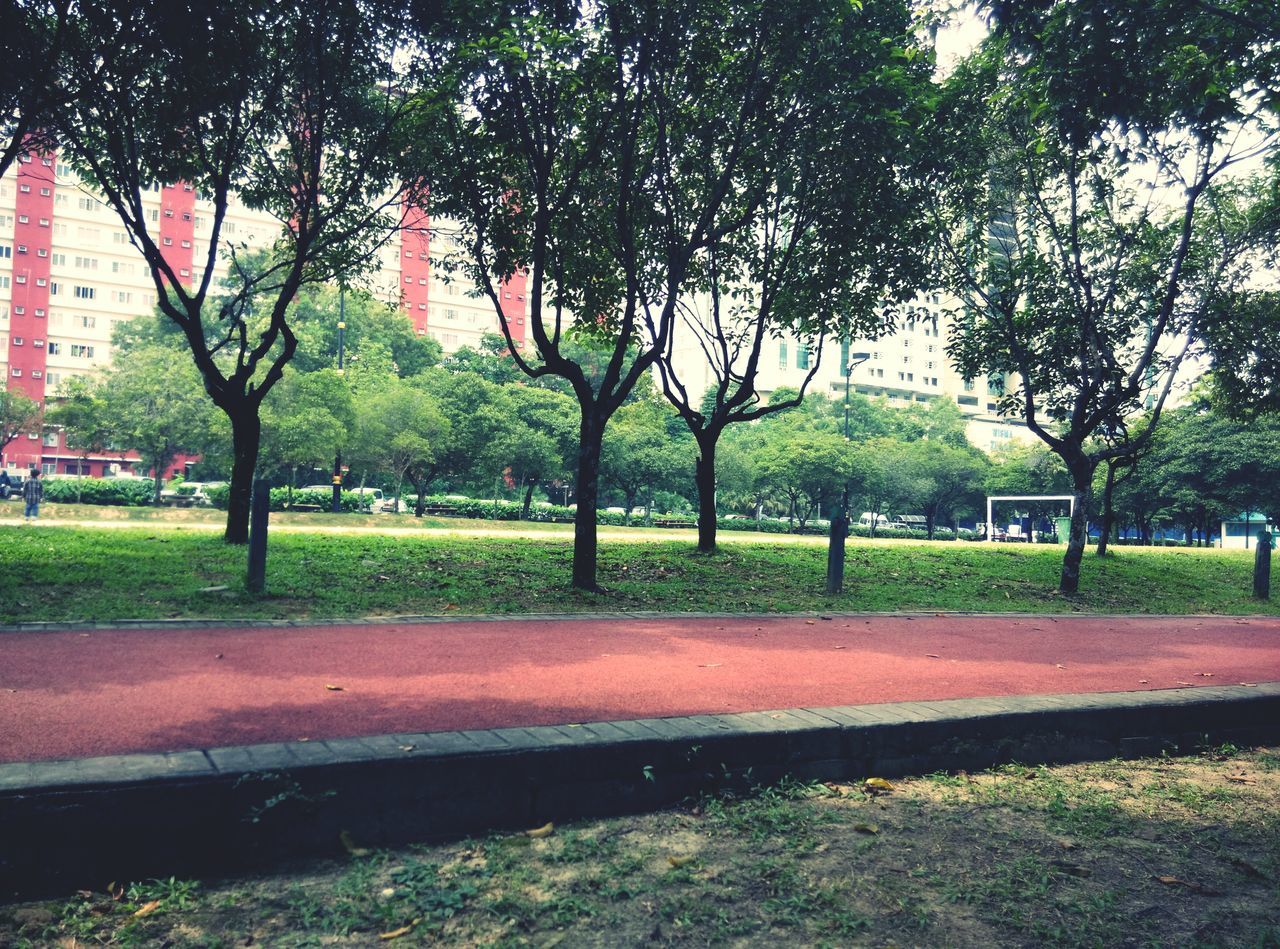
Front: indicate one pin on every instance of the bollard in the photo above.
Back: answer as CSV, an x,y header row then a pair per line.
x,y
1262,567
835,552
258,510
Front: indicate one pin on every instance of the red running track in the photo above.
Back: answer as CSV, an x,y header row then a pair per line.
x,y
76,694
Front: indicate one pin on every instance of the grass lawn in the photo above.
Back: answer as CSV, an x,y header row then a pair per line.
x,y
149,571
1155,852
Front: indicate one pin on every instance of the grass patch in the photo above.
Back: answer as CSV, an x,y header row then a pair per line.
x,y
151,572
990,859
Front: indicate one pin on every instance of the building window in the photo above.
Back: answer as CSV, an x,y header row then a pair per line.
x,y
37,374
44,222
88,322
6,252
84,293
81,351
782,355
16,372
42,252
54,349
17,341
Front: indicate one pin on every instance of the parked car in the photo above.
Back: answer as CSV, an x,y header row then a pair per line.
x,y
371,498
198,491
911,522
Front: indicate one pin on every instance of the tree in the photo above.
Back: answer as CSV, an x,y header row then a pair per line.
x,y
84,417
948,479
291,106
604,150
376,336
1082,290
307,418
18,413
639,456
542,440
399,427
834,242
808,469
147,403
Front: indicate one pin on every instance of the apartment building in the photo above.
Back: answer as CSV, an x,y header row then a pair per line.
x,y
68,274
909,366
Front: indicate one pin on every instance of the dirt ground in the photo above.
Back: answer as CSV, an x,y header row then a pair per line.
x,y
1156,852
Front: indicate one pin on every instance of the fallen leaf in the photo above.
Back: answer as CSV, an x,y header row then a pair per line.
x,y
1180,682
1142,682
866,828
709,665
1206,675
451,606
1060,665
1193,887
218,656
839,647
350,845
877,785
334,688
810,622
679,862
546,830
1240,780
148,908
1072,869
116,890
1249,685
930,655
406,747
824,617
397,933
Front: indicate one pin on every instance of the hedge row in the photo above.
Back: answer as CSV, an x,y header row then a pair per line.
x,y
113,491
219,497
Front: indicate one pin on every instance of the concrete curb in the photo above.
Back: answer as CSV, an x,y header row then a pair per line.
x,y
81,823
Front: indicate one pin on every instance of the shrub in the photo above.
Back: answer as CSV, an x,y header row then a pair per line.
x,y
122,492
219,498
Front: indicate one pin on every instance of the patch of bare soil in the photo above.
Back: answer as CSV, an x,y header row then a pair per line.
x,y
1181,851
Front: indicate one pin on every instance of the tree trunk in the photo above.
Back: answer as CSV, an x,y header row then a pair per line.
x,y
1079,536
928,523
1108,512
590,441
630,501
157,484
704,477
246,432
528,501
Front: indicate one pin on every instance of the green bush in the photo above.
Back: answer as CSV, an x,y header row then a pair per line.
x,y
121,492
219,498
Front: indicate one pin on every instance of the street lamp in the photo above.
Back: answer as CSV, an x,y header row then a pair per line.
x,y
337,455
840,523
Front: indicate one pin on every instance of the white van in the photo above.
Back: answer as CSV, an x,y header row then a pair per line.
x,y
882,520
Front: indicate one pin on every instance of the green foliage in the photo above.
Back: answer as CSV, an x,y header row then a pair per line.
x,y
18,414
113,491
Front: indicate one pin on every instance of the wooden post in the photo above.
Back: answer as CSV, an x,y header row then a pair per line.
x,y
259,510
1262,567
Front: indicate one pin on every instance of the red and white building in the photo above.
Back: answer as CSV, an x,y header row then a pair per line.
x,y
68,274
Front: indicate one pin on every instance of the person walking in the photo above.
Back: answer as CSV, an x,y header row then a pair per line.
x,y
32,492
6,486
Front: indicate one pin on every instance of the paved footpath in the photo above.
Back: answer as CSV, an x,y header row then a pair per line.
x,y
88,692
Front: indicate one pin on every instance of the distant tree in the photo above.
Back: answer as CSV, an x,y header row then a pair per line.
x,y
809,470
948,479
542,439
399,428
375,333
84,417
639,457
490,359
152,405
305,421
18,414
